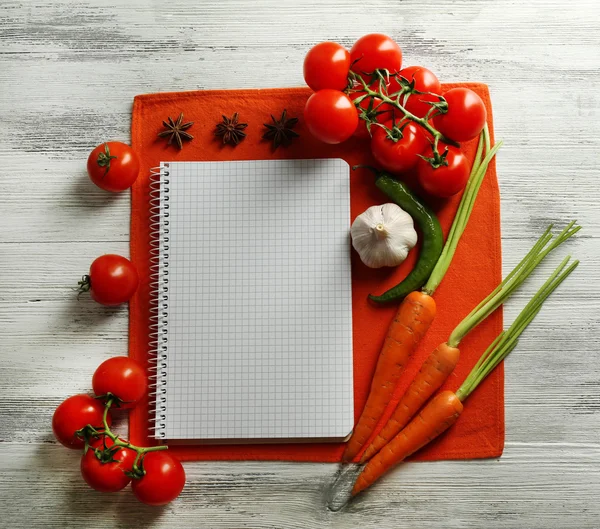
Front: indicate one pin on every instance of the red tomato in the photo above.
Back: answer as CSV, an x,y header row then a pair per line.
x,y
72,415
113,166
466,115
330,116
446,180
375,51
112,280
123,377
400,155
327,65
163,480
425,81
109,476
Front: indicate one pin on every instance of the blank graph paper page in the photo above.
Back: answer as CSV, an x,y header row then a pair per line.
x,y
259,309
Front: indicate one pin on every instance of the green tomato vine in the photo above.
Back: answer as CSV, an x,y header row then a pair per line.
x,y
106,454
376,89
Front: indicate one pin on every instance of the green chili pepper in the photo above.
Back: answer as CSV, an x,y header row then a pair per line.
x,y
433,238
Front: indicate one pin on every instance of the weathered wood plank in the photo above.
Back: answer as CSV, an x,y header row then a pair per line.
x,y
68,73
285,496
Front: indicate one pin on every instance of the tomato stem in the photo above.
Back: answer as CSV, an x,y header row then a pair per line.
x,y
135,468
84,285
140,450
104,159
394,100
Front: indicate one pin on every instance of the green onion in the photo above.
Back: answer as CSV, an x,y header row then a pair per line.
x,y
507,341
478,171
545,244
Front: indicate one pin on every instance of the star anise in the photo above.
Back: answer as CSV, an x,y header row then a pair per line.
x,y
280,131
175,130
231,130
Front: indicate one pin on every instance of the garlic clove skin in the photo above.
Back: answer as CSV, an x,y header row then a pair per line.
x,y
383,235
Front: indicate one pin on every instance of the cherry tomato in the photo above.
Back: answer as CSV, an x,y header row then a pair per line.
x,y
327,65
163,480
112,280
109,476
400,155
113,166
425,81
330,116
466,115
123,377
72,415
446,180
375,51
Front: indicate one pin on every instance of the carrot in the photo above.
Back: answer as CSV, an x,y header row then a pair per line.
x,y
445,408
434,419
414,316
417,398
398,348
434,371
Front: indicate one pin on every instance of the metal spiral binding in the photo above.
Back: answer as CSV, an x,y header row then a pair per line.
x,y
159,298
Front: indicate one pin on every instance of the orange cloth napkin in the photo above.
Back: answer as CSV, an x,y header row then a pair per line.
x,y
475,271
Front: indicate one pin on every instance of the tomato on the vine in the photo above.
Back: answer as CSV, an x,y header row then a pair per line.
x,y
72,415
112,280
327,65
445,180
466,115
163,479
330,116
375,51
113,166
108,475
123,377
425,81
398,153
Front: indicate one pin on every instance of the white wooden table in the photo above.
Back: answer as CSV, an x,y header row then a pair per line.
x,y
68,73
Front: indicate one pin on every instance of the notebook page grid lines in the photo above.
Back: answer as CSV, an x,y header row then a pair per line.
x,y
260,315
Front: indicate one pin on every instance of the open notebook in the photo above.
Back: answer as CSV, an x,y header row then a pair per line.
x,y
252,300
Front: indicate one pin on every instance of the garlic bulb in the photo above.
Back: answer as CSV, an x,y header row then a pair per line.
x,y
383,235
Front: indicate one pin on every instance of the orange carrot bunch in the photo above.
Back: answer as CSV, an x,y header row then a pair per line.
x,y
441,362
434,371
443,410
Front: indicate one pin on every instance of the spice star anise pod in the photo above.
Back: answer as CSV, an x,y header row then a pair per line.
x,y
231,130
175,130
280,131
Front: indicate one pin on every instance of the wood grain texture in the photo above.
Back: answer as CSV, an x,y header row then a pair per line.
x,y
68,73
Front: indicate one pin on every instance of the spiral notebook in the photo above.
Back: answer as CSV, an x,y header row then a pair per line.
x,y
252,300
